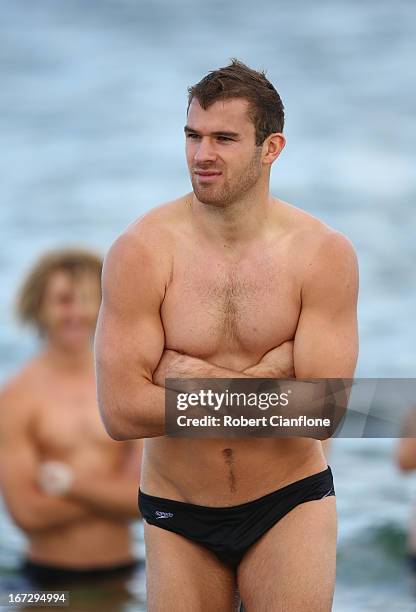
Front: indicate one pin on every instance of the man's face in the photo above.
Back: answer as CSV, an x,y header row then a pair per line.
x,y
69,309
223,159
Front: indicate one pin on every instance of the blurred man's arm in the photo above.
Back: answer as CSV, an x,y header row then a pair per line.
x,y
405,455
116,494
31,509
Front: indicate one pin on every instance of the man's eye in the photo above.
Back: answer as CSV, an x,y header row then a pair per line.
x,y
192,135
225,138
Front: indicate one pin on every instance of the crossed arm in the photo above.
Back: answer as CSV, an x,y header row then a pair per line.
x,y
34,510
30,508
130,359
277,363
114,495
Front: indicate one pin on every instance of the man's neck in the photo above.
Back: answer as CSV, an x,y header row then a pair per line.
x,y
235,224
78,361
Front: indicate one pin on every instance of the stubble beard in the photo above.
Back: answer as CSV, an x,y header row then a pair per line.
x,y
229,192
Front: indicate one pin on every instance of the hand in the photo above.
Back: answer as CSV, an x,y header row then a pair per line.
x,y
55,477
276,363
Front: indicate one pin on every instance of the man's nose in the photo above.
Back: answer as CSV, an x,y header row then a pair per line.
x,y
205,151
80,307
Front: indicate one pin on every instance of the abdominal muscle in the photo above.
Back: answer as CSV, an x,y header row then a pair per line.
x,y
226,472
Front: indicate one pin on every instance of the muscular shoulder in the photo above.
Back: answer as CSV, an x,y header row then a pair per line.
x,y
331,270
317,245
159,227
19,398
323,258
142,256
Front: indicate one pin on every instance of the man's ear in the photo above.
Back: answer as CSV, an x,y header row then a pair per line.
x,y
272,147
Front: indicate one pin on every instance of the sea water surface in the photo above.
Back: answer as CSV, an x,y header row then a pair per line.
x,y
92,108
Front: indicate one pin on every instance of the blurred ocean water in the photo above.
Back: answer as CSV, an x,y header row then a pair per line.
x,y
92,106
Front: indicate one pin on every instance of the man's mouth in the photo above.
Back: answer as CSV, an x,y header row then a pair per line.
x,y
207,175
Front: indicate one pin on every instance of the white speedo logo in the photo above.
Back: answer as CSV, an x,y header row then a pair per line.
x,y
160,514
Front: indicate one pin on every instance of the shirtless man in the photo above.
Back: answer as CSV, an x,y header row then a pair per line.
x,y
219,283
66,483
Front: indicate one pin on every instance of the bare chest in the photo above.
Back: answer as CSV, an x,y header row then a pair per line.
x,y
214,307
68,424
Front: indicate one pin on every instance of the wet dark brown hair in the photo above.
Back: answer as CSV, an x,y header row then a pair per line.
x,y
237,80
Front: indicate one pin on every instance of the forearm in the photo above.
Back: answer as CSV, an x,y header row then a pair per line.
x,y
193,367
46,512
133,411
318,405
310,399
141,413
261,370
185,367
276,363
114,496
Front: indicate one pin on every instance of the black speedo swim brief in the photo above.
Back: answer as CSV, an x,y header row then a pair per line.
x,y
229,532
45,575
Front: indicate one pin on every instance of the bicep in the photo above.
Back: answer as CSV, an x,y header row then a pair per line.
x,y
326,339
129,339
127,347
326,346
19,461
17,474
